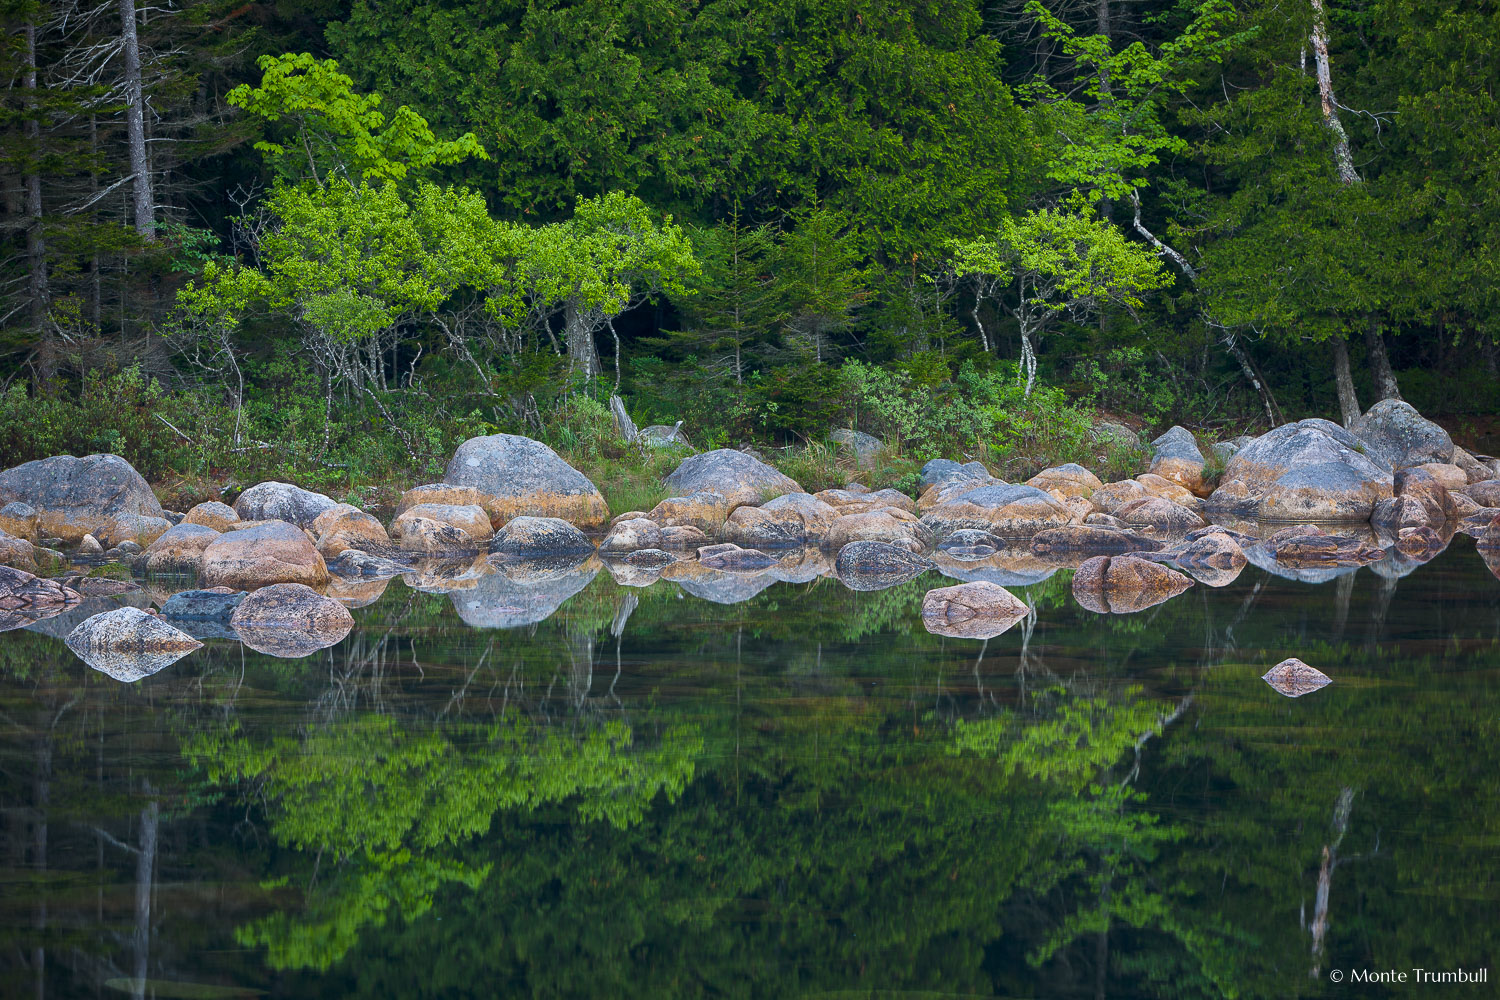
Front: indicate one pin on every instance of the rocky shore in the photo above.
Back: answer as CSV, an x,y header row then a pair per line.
x,y
513,531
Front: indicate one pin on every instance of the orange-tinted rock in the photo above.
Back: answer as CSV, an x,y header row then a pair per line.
x,y
890,525
179,549
212,514
262,555
516,476
1072,480
347,527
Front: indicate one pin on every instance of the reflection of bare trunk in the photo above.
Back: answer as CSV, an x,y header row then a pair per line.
x,y
145,865
43,799
1341,809
1380,364
1342,156
1344,379
1345,592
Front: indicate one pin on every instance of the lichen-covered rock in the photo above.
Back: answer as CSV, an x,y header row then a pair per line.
x,y
532,536
129,644
1327,491
212,514
290,620
273,501
705,510
1486,493
417,534
215,605
1071,480
1398,436
1005,510
516,476
1158,518
1167,490
728,556
1112,496
1125,584
877,565
1176,458
179,549
26,598
648,558
344,526
1450,476
17,553
259,556
471,519
662,436
88,545
1093,539
890,525
1214,558
1293,678
862,501
978,610
1473,469
76,496
19,520
632,535
866,448
354,564
1312,469
1421,485
443,493
954,484
789,521
944,471
136,528
735,475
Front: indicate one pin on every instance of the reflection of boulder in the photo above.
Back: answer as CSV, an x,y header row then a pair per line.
x,y
644,574
290,620
355,592
1007,567
128,644
731,557
1491,558
1125,584
802,565
58,626
26,599
1214,558
718,585
1093,540
971,610
1293,678
877,565
970,544
444,576
354,564
524,593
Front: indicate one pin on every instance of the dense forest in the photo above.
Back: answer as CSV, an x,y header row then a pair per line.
x,y
340,237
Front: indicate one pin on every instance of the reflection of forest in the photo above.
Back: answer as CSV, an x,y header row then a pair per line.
x,y
801,794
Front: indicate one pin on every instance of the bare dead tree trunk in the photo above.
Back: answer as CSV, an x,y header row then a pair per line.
x,y
1380,363
1341,810
36,240
135,124
1344,379
1343,157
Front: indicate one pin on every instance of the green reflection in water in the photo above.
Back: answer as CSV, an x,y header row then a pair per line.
x,y
801,795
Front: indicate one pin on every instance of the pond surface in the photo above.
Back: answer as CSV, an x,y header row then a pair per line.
x,y
804,794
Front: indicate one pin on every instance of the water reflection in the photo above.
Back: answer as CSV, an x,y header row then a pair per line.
x,y
630,791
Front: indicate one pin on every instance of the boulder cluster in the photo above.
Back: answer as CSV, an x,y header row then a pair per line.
x,y
512,531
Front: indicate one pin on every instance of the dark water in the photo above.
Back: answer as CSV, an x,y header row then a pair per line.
x,y
804,794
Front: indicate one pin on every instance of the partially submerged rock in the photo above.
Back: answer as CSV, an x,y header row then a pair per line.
x,y
889,524
971,543
728,556
1214,558
738,477
344,526
471,519
1125,584
1006,510
1156,518
129,644
26,598
290,620
972,610
217,604
789,521
1175,457
76,496
705,510
1311,469
1308,545
1092,539
1293,678
273,501
268,553
427,536
533,536
440,493
1112,496
516,476
878,565
354,564
631,535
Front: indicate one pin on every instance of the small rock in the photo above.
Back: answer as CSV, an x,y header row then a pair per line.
x,y
1006,510
415,533
1176,458
1118,435
1167,490
90,546
212,514
1293,678
1112,496
344,526
129,644
978,610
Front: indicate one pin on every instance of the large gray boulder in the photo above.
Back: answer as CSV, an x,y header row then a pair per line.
x,y
516,476
1312,469
734,475
1398,436
74,497
273,501
1007,510
129,644
1176,458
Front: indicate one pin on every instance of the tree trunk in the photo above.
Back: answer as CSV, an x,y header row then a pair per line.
x,y
36,240
1343,157
135,124
582,355
1344,378
1380,364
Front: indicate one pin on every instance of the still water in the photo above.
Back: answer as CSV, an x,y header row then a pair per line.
x,y
804,794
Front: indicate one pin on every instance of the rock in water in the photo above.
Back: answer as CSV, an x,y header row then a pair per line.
x,y
1158,518
516,476
978,610
471,519
734,475
76,496
1095,539
1294,678
216,605
534,536
281,502
731,557
1303,545
26,598
290,620
1003,509
891,525
1125,584
1214,558
128,644
632,534
1176,458
1395,433
261,555
1311,469
877,565
344,526
704,510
